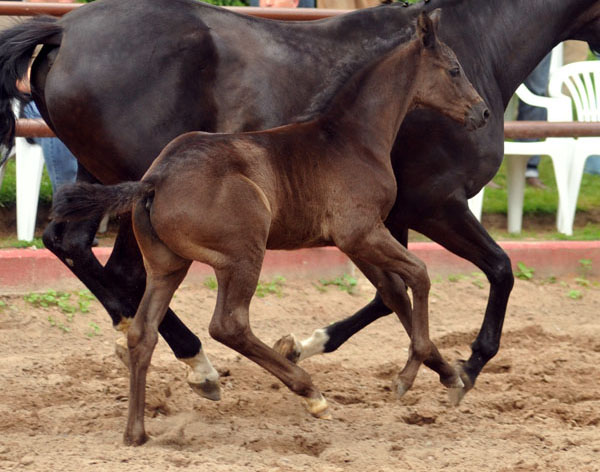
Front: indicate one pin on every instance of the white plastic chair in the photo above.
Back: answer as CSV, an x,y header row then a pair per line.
x,y
582,81
560,151
30,165
29,168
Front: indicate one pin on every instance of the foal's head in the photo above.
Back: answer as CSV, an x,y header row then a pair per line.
x,y
443,85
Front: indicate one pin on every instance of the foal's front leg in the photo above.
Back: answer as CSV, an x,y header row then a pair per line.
x,y
230,325
377,254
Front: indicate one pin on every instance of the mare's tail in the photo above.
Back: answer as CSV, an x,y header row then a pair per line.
x,y
17,45
80,201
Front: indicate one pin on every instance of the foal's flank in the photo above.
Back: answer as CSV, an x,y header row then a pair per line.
x,y
224,199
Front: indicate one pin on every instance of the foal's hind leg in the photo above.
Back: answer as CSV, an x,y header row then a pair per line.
x,y
230,325
377,253
141,340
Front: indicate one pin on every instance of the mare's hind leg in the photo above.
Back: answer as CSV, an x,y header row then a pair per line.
x,y
119,286
379,248
230,325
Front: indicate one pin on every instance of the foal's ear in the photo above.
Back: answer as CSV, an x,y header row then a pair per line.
x,y
427,28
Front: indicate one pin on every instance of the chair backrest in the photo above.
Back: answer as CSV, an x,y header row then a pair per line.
x,y
581,82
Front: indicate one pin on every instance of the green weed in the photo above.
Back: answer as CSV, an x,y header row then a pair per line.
x,y
574,294
270,288
211,283
346,283
524,272
94,330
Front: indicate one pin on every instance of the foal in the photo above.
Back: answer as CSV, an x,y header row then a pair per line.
x,y
224,199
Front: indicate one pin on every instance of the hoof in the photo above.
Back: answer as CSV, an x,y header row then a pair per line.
x,y
454,381
135,439
457,394
122,351
318,407
401,388
289,347
208,389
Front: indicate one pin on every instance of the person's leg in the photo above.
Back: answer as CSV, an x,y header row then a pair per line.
x,y
60,162
537,83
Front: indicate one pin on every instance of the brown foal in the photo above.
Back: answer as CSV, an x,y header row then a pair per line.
x,y
223,199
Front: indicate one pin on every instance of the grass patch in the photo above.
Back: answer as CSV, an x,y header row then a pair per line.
x,y
8,190
541,201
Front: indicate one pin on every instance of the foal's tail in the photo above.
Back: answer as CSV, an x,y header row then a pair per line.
x,y
17,45
82,201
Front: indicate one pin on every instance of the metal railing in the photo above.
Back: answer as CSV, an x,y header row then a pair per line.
x,y
512,129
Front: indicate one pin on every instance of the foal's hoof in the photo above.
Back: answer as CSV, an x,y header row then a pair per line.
x,y
122,351
207,388
289,347
401,387
457,394
135,439
318,407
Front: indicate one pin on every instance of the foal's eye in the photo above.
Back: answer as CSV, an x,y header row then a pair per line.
x,y
454,72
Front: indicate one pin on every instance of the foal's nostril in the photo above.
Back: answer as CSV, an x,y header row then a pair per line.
x,y
486,114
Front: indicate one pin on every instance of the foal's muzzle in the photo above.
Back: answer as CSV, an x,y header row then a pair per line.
x,y
477,116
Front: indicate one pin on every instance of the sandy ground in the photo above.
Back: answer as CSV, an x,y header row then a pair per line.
x,y
63,397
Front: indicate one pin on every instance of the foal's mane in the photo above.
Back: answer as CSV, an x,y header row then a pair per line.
x,y
348,73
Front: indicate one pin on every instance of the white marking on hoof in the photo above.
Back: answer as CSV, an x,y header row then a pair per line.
x,y
456,395
313,345
122,351
289,347
318,407
203,377
401,388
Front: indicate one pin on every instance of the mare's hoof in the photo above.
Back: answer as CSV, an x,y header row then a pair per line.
x,y
289,347
457,394
122,351
209,389
454,381
318,407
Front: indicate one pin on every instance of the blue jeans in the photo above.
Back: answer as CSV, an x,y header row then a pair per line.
x,y
60,162
537,82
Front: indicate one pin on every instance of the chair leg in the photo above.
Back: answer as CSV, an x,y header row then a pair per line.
x,y
515,175
562,169
575,177
30,164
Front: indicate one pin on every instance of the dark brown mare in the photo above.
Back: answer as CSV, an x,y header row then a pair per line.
x,y
117,80
223,199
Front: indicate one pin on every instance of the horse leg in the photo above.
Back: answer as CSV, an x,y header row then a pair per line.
x,y
119,286
376,253
230,325
141,340
331,337
459,231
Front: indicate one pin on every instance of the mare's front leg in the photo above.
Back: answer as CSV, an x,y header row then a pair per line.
x,y
458,230
331,337
119,286
230,325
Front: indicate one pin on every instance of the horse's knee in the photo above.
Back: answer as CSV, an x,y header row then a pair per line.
x,y
500,274
418,278
230,329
